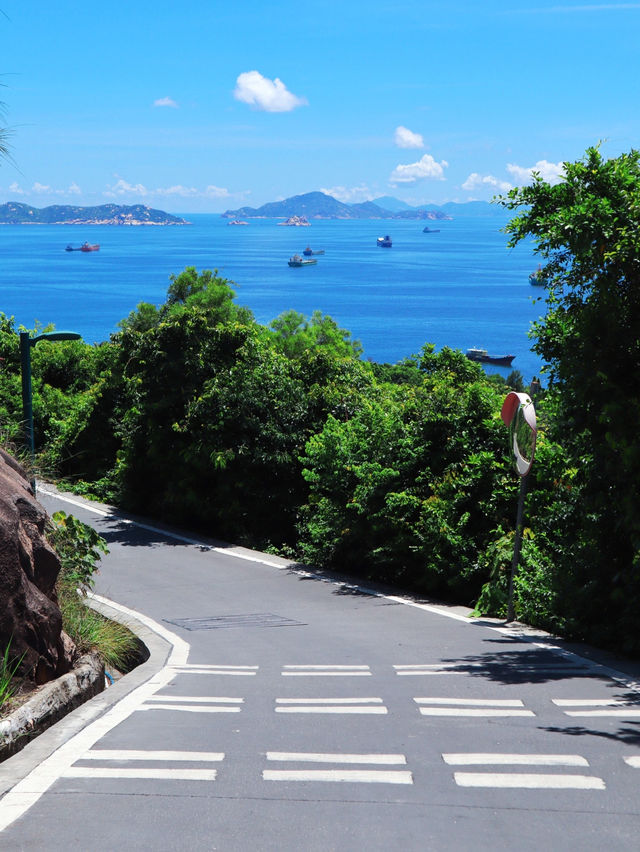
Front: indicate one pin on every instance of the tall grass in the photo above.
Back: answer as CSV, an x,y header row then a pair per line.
x,y
8,667
91,631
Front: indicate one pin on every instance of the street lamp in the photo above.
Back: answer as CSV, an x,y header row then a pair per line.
x,y
519,415
26,343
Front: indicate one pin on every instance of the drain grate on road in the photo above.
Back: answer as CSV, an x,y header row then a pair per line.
x,y
219,622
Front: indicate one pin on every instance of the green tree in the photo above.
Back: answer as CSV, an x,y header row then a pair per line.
x,y
587,230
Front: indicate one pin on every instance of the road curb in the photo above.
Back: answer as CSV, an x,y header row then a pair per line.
x,y
52,702
73,711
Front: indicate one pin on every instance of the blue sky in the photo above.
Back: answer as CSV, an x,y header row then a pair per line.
x,y
203,106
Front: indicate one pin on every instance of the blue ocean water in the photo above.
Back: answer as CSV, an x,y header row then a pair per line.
x,y
460,287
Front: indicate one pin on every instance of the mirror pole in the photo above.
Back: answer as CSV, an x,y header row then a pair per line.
x,y
524,481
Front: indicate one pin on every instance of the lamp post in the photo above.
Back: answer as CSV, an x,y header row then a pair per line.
x,y
26,343
519,415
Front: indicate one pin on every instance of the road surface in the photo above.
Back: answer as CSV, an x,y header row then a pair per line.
x,y
281,710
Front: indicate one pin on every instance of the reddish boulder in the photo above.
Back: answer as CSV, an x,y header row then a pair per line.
x,y
30,618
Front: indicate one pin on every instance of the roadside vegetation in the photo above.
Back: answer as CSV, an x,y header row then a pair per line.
x,y
79,548
282,438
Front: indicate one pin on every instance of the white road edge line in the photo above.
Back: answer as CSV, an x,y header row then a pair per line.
x,y
26,792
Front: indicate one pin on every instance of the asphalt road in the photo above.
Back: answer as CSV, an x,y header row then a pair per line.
x,y
285,711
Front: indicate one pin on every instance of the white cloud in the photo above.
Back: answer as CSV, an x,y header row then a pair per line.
x,y
426,167
122,187
165,102
476,181
74,189
16,189
178,189
405,138
551,172
349,195
216,192
41,189
264,94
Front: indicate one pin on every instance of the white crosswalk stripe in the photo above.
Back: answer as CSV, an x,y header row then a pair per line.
x,y
137,756
339,774
470,707
606,707
371,706
195,668
326,671
523,780
192,704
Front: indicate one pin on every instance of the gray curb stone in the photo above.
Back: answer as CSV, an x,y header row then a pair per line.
x,y
52,702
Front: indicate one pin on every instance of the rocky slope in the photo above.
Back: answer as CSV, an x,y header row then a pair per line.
x,y
30,619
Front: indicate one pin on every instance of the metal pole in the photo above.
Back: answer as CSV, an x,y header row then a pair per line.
x,y
27,405
524,480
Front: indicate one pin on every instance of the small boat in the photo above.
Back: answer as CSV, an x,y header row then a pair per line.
x,y
384,242
71,248
483,356
308,252
237,222
536,278
297,260
428,230
88,247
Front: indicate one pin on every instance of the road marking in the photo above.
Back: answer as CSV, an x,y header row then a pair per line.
x,y
311,757
361,776
618,714
434,669
326,671
588,702
340,775
194,668
197,699
168,774
528,781
476,702
515,759
190,708
133,754
616,708
472,707
193,704
330,705
633,762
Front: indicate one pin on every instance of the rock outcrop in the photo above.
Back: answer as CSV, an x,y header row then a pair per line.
x,y
30,619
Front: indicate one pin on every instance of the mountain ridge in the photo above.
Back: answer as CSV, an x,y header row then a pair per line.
x,y
16,213
319,205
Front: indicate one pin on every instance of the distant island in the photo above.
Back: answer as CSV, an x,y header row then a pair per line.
x,y
14,213
319,205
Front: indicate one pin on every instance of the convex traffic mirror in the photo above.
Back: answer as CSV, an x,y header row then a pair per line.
x,y
519,414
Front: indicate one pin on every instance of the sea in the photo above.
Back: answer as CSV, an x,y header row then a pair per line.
x,y
460,287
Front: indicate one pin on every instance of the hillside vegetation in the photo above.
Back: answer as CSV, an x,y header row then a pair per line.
x,y
284,439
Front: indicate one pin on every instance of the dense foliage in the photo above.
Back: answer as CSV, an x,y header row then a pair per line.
x,y
283,438
587,229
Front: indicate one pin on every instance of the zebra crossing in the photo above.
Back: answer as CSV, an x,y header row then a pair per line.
x,y
466,770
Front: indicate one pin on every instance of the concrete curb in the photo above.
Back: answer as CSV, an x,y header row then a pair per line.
x,y
75,718
51,703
